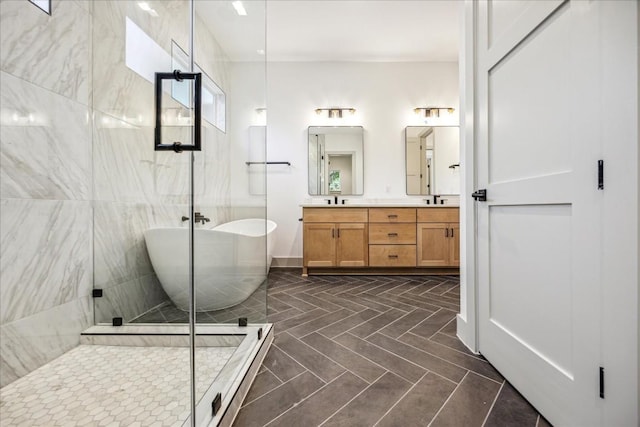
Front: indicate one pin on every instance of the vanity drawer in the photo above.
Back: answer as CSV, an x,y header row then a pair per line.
x,y
334,214
438,215
392,215
392,255
389,234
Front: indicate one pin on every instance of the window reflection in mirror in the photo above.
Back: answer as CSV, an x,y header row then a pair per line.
x,y
336,160
432,160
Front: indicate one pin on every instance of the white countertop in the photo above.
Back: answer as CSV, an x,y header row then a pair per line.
x,y
377,205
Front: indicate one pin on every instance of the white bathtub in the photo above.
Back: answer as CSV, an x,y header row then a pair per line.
x,y
230,261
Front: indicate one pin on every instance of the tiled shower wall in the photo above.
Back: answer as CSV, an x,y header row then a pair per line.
x,y
45,183
79,180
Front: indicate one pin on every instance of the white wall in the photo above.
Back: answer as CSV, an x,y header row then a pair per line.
x,y
384,96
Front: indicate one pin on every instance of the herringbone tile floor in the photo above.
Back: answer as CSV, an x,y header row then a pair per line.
x,y
374,350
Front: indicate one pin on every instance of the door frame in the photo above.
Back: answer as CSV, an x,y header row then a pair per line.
x,y
621,245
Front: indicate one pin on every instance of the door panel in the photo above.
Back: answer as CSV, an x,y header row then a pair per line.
x,y
532,263
540,229
525,122
433,245
353,247
319,245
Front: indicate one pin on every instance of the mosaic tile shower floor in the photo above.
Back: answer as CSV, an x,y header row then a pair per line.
x,y
111,386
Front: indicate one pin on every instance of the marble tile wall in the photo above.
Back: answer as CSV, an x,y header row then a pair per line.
x,y
46,218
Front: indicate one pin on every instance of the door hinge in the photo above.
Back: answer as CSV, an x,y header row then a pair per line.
x,y
600,174
601,382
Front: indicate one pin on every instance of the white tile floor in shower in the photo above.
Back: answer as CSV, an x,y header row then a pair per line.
x,y
100,385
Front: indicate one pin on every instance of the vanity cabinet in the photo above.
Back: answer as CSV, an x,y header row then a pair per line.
x,y
392,237
335,238
438,237
389,240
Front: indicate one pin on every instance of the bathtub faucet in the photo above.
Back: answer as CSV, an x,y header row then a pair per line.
x,y
201,218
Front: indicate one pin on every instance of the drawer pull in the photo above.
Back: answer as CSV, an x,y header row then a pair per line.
x,y
392,234
392,216
393,256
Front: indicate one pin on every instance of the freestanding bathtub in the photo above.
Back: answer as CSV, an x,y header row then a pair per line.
x,y
230,261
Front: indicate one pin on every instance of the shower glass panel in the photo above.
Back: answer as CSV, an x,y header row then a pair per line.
x,y
152,209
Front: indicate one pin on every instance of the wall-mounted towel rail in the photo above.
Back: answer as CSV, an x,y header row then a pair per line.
x,y
268,163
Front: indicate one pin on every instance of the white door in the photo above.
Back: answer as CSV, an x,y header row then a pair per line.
x,y
539,232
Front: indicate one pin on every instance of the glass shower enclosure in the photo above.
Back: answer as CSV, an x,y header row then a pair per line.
x,y
134,247
179,248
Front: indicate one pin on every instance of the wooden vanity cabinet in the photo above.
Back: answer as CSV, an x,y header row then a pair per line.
x,y
438,237
381,239
335,238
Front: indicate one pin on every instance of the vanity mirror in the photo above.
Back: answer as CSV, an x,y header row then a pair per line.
x,y
432,160
336,160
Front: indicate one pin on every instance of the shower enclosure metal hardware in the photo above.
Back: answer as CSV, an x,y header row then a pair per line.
x,y
96,293
177,146
116,321
259,334
242,321
268,163
216,403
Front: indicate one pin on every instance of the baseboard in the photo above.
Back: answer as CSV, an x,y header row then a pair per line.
x,y
286,262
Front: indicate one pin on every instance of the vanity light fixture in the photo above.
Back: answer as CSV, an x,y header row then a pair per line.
x,y
335,112
432,111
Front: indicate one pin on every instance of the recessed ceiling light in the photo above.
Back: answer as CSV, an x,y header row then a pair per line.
x,y
239,7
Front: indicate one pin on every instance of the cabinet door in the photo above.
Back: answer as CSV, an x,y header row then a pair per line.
x,y
319,245
454,244
433,244
352,245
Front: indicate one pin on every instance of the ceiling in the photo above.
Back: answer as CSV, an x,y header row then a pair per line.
x,y
336,30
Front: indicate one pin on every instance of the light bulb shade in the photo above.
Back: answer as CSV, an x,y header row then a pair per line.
x,y
335,112
432,111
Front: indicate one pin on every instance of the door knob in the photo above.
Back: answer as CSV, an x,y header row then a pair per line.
x,y
480,195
